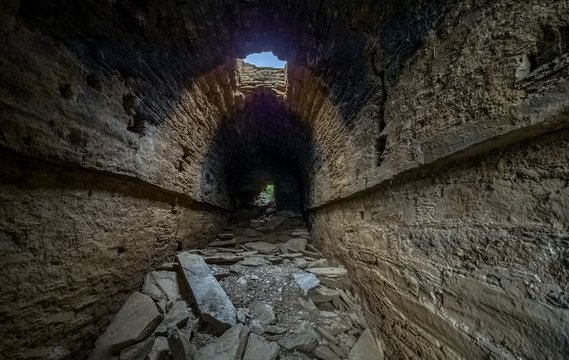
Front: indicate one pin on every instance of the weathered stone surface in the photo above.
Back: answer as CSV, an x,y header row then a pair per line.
x,y
223,258
322,294
260,349
225,236
136,320
255,261
230,346
306,281
261,247
137,351
116,139
221,243
366,348
159,350
176,316
296,244
335,277
262,312
325,353
212,302
162,285
302,338
179,345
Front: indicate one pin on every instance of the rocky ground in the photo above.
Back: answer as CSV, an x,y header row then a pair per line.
x,y
261,291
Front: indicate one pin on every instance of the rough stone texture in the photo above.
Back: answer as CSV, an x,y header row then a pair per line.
x,y
127,126
260,349
212,302
229,346
366,348
469,261
135,321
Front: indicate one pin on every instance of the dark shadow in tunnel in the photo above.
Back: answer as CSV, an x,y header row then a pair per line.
x,y
160,48
264,137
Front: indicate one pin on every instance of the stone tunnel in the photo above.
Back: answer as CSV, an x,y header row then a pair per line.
x,y
424,145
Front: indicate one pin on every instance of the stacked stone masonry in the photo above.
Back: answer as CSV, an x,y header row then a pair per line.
x,y
428,141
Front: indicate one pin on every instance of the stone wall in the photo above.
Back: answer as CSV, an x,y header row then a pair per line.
x,y
467,261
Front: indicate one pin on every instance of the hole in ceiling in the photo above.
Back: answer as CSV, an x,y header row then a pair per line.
x,y
265,59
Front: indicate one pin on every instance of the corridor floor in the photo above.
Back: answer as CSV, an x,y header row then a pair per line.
x,y
265,293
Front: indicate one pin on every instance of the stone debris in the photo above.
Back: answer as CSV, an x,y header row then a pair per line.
x,y
306,281
288,306
260,349
322,294
325,353
336,277
223,258
176,316
255,261
225,236
303,338
136,320
229,346
366,348
262,312
160,349
137,351
261,246
162,285
212,302
295,244
221,243
179,345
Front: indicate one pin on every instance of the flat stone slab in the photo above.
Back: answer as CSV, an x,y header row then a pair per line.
x,y
135,321
261,246
262,312
329,271
322,294
366,348
220,243
225,236
325,353
212,302
179,345
260,349
296,244
304,339
223,258
255,261
229,346
306,281
160,349
176,316
336,277
162,285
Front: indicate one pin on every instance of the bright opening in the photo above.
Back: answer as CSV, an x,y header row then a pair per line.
x,y
265,59
266,197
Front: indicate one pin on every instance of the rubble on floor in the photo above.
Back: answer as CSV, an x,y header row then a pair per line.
x,y
262,296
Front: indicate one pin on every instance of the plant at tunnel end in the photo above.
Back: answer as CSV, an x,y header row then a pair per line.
x,y
267,196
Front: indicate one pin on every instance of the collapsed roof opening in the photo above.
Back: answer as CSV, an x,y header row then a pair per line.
x,y
265,59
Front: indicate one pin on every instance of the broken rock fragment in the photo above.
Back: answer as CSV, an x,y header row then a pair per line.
x,y
262,312
229,346
260,349
135,321
162,285
212,302
366,348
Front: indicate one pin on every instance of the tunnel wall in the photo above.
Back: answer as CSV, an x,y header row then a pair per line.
x,y
98,185
461,252
467,261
